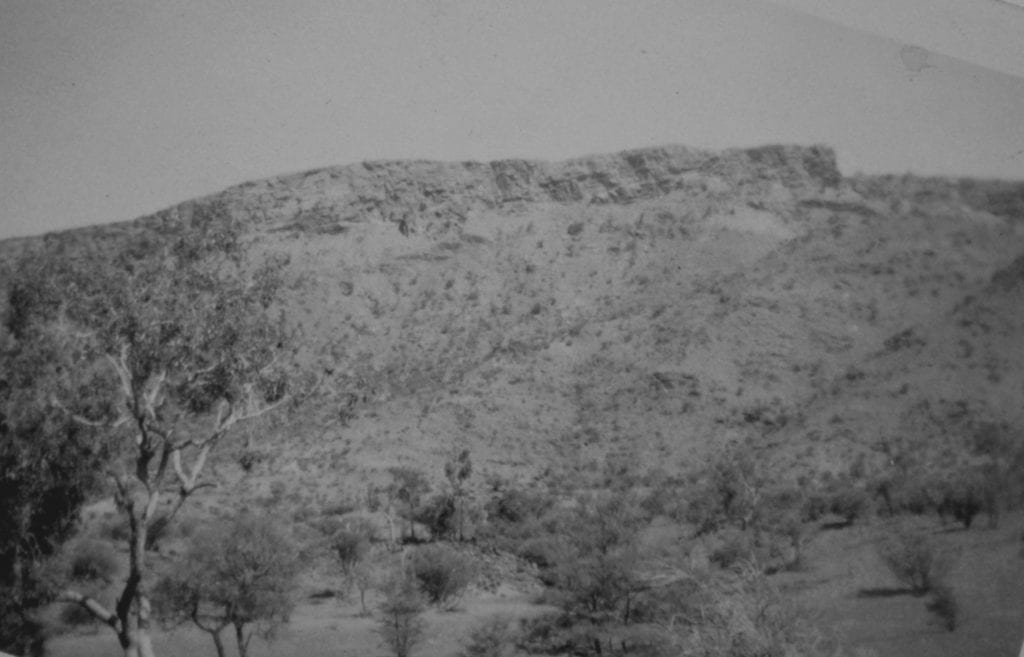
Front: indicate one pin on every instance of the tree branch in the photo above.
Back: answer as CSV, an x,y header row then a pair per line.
x,y
152,397
124,602
81,419
120,365
95,608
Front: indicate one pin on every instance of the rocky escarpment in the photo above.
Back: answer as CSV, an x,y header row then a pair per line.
x,y
430,196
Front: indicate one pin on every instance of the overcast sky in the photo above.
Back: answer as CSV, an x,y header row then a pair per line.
x,y
110,109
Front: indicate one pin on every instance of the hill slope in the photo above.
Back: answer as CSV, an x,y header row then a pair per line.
x,y
640,308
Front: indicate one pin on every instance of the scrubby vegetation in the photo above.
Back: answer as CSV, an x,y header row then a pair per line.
x,y
915,561
400,622
636,424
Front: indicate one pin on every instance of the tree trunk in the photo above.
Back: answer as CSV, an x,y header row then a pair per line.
x,y
218,644
133,608
242,640
138,644
214,633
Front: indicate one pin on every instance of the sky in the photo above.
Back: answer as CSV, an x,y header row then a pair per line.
x,y
111,109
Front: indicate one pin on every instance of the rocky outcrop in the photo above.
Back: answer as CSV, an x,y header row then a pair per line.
x,y
409,192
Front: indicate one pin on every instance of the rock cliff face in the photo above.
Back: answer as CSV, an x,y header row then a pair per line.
x,y
639,308
420,194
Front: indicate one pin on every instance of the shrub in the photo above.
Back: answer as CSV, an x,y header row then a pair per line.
x,y
93,560
442,573
915,561
365,575
963,498
734,549
517,505
730,492
350,547
400,623
76,616
439,515
749,618
849,503
492,638
543,551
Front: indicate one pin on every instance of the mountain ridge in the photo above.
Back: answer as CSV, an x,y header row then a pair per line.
x,y
647,306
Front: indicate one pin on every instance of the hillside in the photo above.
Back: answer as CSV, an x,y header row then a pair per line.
x,y
641,308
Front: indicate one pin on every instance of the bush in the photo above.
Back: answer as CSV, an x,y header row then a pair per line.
x,y
492,638
963,498
92,561
442,573
735,549
543,551
915,561
440,516
400,623
849,503
350,547
517,505
77,616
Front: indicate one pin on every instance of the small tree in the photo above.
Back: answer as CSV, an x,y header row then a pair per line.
x,y
443,574
350,546
400,624
457,471
406,491
731,492
915,560
237,575
366,575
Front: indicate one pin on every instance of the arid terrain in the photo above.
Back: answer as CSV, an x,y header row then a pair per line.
x,y
630,315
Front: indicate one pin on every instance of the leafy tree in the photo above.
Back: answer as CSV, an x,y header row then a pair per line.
x,y
350,546
239,575
406,491
598,575
49,464
182,338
